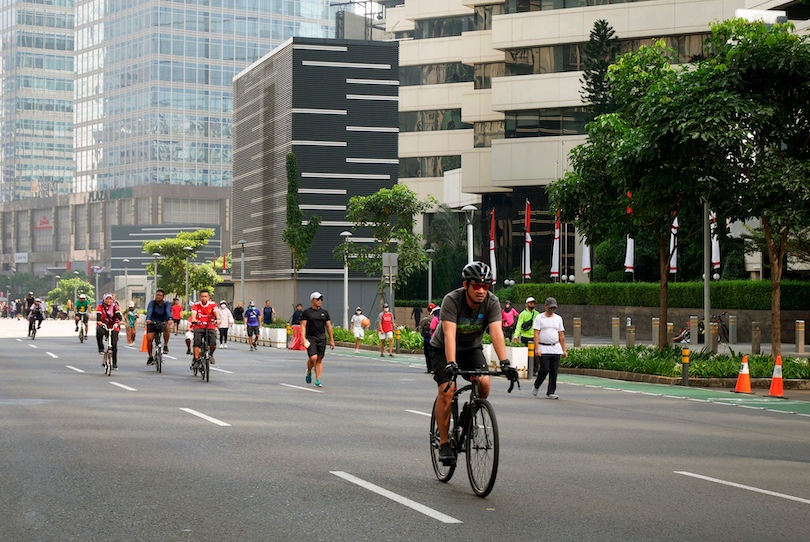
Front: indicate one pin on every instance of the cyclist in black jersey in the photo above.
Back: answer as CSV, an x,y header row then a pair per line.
x,y
466,314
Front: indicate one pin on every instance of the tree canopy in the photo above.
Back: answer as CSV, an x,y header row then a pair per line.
x,y
297,235
172,262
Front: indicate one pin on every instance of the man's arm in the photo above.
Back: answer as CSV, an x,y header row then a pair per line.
x,y
449,333
562,343
331,335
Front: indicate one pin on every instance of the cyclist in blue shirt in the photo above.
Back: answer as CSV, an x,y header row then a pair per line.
x,y
253,321
158,312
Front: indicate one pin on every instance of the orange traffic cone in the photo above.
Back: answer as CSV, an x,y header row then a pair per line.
x,y
777,389
744,378
144,343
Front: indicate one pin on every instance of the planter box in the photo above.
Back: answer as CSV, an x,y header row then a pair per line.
x,y
519,356
488,353
277,337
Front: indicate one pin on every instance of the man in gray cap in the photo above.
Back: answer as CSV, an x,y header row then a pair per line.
x,y
549,344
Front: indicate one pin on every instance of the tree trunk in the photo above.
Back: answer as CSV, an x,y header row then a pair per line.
x,y
663,295
776,256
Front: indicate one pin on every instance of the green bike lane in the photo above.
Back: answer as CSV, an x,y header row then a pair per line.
x,y
798,405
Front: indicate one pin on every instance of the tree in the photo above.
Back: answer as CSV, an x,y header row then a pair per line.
x,y
448,238
297,235
67,288
599,53
172,262
22,283
769,67
389,215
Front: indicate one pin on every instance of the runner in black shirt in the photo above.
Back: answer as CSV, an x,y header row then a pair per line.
x,y
315,323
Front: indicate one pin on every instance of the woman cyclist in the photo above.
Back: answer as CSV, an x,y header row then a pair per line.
x,y
108,314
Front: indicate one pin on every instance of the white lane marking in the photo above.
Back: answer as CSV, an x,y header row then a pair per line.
x,y
444,518
19,340
221,370
74,368
300,387
52,355
417,412
206,417
122,386
169,357
741,486
33,346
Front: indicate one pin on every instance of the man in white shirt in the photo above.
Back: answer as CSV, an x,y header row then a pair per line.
x,y
549,343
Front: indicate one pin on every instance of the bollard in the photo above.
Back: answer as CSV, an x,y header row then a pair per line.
x,y
732,329
397,334
694,330
670,330
756,338
577,332
800,336
714,335
614,325
655,325
631,335
530,369
685,366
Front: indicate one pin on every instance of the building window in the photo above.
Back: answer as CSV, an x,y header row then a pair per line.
x,y
190,211
95,225
142,216
23,221
443,27
428,121
79,227
435,74
523,6
484,73
483,15
63,228
485,132
570,57
545,122
427,166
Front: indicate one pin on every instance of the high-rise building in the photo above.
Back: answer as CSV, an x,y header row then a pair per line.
x,y
36,105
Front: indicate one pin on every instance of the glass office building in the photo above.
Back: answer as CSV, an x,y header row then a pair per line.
x,y
36,104
154,89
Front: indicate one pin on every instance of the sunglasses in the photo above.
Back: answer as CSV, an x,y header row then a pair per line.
x,y
319,298
480,286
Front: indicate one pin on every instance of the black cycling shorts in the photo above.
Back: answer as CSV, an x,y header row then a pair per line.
x,y
82,316
467,360
151,328
212,337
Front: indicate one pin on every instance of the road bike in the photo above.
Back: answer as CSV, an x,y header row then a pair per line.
x,y
203,365
157,349
473,432
106,341
82,324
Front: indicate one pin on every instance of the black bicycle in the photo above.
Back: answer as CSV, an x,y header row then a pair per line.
x,y
157,349
473,432
722,327
203,365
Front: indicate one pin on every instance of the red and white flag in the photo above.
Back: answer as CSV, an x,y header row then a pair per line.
x,y
673,246
555,249
492,262
586,256
715,240
527,251
630,255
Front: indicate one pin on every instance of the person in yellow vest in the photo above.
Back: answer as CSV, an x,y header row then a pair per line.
x,y
524,330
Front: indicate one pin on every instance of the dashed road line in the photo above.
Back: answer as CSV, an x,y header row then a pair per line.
x,y
52,355
74,368
417,412
221,370
299,387
206,417
421,508
123,386
742,486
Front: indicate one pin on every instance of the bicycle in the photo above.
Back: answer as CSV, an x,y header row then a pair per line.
x,y
474,432
32,328
157,349
203,365
82,324
722,328
107,362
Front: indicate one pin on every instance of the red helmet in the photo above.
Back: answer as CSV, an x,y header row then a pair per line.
x,y
431,306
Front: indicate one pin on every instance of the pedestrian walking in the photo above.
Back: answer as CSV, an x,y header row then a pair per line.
x,y
239,313
417,316
358,328
268,313
295,319
252,323
131,318
427,333
385,330
315,324
508,320
177,314
225,322
549,341
525,321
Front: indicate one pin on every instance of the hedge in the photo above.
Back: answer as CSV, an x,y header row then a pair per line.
x,y
725,294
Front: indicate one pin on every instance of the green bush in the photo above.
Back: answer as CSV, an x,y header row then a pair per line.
x,y
667,362
408,340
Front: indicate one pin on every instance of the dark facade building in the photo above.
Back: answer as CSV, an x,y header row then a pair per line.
x,y
334,104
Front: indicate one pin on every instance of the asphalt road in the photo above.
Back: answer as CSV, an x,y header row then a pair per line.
x,y
256,454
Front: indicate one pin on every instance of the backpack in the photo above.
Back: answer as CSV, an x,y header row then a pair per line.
x,y
528,323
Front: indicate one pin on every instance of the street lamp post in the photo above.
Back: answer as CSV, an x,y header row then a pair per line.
x,y
346,235
242,266
95,269
125,261
430,252
76,287
188,252
156,255
469,212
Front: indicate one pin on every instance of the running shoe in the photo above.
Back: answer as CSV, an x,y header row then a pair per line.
x,y
150,361
309,378
318,383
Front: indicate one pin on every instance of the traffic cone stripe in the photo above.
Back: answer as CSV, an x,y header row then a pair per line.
x,y
777,371
744,369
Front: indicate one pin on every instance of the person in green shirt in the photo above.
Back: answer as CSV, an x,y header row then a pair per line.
x,y
524,330
82,311
131,317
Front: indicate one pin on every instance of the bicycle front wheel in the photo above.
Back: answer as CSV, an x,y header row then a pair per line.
x,y
81,334
482,448
108,363
207,375
443,472
159,360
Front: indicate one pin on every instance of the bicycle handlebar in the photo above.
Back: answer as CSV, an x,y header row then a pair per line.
x,y
483,372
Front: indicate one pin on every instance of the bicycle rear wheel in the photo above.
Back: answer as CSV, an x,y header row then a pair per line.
x,y
159,360
482,448
81,333
207,366
443,472
108,363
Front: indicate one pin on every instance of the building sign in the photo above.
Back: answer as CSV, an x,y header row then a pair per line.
x,y
44,224
20,257
107,195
